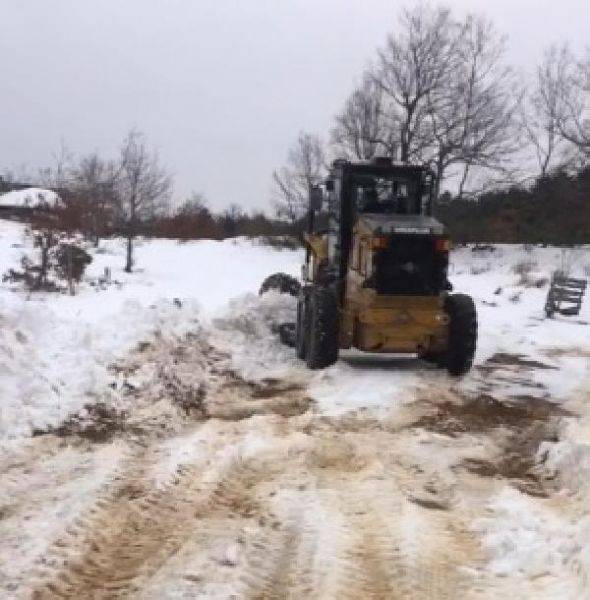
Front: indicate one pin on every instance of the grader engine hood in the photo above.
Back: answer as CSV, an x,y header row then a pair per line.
x,y
405,255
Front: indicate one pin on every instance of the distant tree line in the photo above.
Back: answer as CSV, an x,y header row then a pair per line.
x,y
130,196
554,210
439,92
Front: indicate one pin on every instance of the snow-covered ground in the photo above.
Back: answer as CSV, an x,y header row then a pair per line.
x,y
55,349
228,468
29,198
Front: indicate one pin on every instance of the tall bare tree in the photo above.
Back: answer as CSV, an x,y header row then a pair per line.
x,y
413,66
471,117
440,94
360,131
305,167
144,187
542,109
56,176
93,182
573,80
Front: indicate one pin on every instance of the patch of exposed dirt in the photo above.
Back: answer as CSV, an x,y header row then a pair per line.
x,y
96,423
505,359
485,412
336,453
239,399
517,461
522,425
189,397
567,351
168,384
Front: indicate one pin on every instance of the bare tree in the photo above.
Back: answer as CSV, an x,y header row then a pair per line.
x,y
440,94
94,185
193,206
413,66
470,118
56,176
144,187
543,108
573,79
360,131
305,168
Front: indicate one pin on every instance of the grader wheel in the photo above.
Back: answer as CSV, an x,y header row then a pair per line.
x,y
462,333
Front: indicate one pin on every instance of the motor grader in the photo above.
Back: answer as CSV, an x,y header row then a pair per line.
x,y
375,274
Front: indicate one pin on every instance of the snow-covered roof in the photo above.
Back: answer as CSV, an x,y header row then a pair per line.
x,y
29,198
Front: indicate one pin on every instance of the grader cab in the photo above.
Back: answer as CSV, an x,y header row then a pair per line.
x,y
375,275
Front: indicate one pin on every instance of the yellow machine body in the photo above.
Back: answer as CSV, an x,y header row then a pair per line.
x,y
375,322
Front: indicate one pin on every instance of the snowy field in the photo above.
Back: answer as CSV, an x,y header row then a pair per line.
x,y
160,413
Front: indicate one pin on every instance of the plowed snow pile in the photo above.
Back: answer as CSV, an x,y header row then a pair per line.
x,y
159,442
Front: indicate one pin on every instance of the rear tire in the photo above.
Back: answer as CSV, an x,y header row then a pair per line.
x,y
322,341
462,333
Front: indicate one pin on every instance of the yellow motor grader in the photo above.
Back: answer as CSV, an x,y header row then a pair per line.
x,y
375,275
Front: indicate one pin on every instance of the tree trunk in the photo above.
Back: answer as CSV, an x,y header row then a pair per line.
x,y
440,173
129,263
463,182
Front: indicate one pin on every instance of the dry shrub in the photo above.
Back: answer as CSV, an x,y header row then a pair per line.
x,y
480,269
524,270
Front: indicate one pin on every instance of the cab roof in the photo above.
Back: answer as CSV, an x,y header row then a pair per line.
x,y
379,165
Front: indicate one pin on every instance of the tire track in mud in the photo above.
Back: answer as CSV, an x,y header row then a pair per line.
x,y
132,533
335,517
274,569
377,543
351,533
397,550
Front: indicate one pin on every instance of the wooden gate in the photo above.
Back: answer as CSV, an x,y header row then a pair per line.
x,y
565,295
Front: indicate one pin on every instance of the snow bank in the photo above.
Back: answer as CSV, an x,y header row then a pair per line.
x,y
248,331
569,458
532,540
55,349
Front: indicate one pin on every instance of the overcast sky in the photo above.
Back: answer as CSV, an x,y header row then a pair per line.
x,y
220,87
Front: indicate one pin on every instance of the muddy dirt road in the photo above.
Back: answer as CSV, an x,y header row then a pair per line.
x,y
216,486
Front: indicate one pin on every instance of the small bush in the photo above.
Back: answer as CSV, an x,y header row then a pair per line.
x,y
541,282
71,262
483,248
524,267
58,263
287,242
524,270
480,269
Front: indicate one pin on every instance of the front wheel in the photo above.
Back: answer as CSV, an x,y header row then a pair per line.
x,y
462,333
322,341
